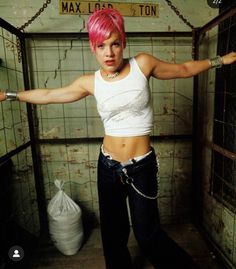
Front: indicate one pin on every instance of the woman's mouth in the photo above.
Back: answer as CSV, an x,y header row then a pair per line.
x,y
110,62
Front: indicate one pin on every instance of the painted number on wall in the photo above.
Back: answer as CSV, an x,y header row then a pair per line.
x,y
126,9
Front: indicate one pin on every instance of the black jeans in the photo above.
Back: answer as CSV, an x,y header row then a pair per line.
x,y
113,190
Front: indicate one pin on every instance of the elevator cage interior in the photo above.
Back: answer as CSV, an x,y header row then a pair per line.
x,y
194,128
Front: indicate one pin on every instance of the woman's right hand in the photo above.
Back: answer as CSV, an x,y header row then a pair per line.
x,y
2,96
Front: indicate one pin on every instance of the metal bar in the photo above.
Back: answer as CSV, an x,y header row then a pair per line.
x,y
128,34
35,149
222,151
226,183
218,19
99,139
159,34
6,25
196,171
14,152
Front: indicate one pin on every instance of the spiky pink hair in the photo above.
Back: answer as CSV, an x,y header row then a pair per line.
x,y
102,23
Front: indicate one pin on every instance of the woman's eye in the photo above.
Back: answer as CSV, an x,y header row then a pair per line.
x,y
116,44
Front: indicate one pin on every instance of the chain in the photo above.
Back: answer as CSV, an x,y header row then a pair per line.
x,y
142,194
179,15
130,181
22,27
41,10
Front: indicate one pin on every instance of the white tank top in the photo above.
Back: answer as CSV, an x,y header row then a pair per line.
x,y
124,105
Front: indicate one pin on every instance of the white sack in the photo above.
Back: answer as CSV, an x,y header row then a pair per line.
x,y
65,222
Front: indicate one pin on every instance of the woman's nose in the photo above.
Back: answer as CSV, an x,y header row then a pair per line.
x,y
109,52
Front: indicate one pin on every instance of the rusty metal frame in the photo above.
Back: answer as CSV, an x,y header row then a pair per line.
x,y
208,26
218,19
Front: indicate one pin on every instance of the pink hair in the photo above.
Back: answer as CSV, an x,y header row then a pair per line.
x,y
102,23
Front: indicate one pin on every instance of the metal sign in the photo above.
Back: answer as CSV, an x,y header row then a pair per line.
x,y
126,9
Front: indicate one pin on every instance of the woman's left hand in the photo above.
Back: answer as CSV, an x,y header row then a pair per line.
x,y
229,58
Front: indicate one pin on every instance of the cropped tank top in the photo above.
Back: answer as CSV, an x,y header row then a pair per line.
x,y
124,105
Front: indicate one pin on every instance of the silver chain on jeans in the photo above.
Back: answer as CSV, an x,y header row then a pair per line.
x,y
138,191
142,194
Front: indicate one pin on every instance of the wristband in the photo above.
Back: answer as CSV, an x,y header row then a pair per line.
x,y
11,96
216,62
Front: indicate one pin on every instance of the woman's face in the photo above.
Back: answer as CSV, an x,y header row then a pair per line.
x,y
109,53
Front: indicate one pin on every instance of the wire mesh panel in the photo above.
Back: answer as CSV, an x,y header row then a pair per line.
x,y
13,115
218,130
220,109
19,218
224,180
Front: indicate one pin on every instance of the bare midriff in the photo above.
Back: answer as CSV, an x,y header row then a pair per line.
x,y
124,148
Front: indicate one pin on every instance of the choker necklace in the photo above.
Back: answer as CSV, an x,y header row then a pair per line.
x,y
111,76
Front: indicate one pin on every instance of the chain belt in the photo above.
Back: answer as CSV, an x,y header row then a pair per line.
x,y
126,179
130,181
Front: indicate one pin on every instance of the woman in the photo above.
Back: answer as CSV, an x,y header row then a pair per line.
x,y
127,163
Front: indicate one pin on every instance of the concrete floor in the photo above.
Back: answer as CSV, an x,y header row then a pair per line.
x,y
91,256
